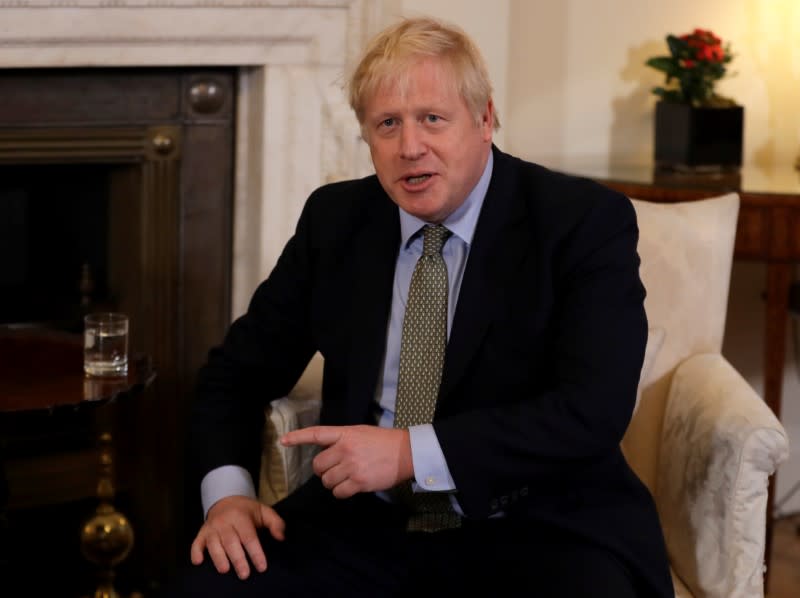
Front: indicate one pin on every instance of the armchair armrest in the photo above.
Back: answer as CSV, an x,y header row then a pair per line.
x,y
719,445
284,468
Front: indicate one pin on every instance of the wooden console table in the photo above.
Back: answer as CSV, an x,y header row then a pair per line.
x,y
768,230
42,378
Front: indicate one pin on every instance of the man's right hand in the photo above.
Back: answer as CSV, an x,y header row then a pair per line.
x,y
230,530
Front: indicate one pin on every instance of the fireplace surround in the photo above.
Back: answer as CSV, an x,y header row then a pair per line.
x,y
291,131
120,181
293,128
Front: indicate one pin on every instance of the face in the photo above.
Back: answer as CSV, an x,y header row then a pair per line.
x,y
427,149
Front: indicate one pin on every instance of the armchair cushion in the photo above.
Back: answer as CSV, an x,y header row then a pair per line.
x,y
686,250
720,443
655,338
284,468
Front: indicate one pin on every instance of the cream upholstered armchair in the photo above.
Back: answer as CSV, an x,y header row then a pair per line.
x,y
701,438
717,442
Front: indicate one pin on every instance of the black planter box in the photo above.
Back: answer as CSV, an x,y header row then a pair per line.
x,y
689,138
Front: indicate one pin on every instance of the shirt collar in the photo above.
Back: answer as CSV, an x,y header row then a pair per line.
x,y
463,221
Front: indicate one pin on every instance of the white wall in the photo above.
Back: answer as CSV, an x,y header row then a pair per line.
x,y
578,86
571,83
487,23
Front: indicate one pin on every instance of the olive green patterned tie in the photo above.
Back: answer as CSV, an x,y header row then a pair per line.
x,y
422,348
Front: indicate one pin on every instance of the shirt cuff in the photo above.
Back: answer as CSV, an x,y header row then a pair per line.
x,y
228,480
430,468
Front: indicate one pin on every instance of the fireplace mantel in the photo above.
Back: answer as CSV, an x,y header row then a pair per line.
x,y
294,129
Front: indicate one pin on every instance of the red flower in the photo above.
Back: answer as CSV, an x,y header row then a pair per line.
x,y
697,60
707,36
710,53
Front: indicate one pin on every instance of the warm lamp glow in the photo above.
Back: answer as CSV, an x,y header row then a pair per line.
x,y
773,45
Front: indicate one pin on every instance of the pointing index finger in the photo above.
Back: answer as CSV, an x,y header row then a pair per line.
x,y
319,435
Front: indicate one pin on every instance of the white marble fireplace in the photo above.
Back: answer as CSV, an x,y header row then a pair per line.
x,y
294,129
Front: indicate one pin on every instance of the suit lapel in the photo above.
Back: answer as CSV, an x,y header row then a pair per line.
x,y
501,242
375,254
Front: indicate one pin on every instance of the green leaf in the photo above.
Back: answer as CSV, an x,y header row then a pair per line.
x,y
677,46
664,64
717,71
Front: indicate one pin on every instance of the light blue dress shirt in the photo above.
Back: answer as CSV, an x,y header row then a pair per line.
x,y
430,468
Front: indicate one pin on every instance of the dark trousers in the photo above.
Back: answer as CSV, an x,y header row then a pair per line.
x,y
359,547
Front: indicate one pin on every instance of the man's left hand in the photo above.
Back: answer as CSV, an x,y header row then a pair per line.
x,y
357,458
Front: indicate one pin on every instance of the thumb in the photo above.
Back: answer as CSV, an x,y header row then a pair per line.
x,y
272,521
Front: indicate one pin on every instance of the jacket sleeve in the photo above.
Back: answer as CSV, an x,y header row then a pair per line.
x,y
261,357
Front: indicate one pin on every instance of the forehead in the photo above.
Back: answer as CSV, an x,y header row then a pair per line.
x,y
423,80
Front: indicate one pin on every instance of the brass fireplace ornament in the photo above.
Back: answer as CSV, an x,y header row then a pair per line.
x,y
107,537
207,96
162,144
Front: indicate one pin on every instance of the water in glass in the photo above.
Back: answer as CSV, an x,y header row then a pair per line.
x,y
105,348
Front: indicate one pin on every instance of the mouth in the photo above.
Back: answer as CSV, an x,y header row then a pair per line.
x,y
416,180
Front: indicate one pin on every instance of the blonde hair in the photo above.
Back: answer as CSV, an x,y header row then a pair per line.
x,y
390,54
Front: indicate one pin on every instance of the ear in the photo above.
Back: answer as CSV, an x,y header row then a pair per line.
x,y
487,121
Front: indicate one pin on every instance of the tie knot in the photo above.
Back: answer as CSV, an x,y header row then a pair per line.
x,y
433,238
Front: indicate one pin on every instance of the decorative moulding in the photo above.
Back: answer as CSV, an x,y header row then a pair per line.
x,y
157,32
294,129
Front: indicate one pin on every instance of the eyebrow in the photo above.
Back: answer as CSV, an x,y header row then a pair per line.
x,y
443,110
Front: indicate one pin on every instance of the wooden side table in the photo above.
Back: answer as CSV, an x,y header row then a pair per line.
x,y
768,231
41,375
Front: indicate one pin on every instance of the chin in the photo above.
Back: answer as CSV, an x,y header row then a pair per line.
x,y
424,210
425,215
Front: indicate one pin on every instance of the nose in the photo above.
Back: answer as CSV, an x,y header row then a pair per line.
x,y
412,142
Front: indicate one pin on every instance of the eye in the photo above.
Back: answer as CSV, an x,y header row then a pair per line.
x,y
432,118
387,123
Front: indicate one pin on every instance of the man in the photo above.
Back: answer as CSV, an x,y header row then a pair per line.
x,y
482,324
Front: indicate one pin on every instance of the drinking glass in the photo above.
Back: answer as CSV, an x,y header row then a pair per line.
x,y
105,344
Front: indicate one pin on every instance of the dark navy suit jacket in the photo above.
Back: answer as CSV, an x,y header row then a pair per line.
x,y
541,368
